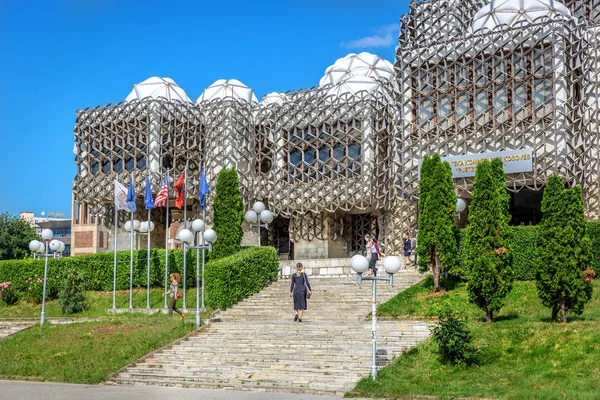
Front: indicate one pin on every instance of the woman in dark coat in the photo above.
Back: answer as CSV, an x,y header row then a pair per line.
x,y
299,289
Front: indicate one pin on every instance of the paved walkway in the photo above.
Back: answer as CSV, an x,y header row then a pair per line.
x,y
17,390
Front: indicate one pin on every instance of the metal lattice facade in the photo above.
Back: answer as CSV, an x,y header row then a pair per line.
x,y
320,157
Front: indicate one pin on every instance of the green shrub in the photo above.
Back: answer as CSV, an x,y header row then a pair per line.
x,y
523,243
8,294
72,295
593,232
454,339
231,279
229,214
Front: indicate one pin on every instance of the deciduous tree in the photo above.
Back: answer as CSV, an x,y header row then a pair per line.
x,y
15,235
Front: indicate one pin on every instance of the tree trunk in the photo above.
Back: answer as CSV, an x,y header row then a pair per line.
x,y
489,315
436,272
563,308
554,313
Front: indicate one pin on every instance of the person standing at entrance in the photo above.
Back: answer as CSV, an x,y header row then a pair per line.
x,y
407,251
300,290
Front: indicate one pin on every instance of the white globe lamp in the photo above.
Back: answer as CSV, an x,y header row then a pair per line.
x,y
151,227
251,217
185,235
128,226
41,248
34,245
359,263
55,245
136,225
259,207
266,216
47,234
198,225
144,227
460,205
392,264
210,236
62,247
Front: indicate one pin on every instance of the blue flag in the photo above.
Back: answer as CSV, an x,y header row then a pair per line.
x,y
131,197
148,200
204,190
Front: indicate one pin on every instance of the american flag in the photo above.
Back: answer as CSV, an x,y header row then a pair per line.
x,y
163,194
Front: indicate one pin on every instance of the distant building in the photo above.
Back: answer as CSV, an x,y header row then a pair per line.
x,y
60,226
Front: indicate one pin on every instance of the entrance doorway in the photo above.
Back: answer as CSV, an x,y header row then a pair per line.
x,y
526,207
278,236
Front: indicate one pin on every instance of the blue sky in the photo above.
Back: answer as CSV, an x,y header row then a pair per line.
x,y
61,55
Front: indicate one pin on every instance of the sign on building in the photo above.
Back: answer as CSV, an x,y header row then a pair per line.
x,y
514,161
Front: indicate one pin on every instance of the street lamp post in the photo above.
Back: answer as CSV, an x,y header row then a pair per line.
x,y
259,214
460,207
360,264
131,226
57,247
208,238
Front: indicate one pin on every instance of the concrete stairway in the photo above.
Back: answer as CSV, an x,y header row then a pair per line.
x,y
8,327
259,347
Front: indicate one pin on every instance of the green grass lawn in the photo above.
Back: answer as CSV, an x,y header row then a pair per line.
x,y
98,303
523,354
86,352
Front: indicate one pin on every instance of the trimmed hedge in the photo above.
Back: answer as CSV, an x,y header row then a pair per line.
x,y
231,279
523,242
250,268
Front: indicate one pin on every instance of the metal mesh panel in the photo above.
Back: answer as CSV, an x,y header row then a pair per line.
x,y
324,154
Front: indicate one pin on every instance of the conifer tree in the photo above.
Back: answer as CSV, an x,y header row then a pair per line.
x,y
564,251
437,204
72,296
229,214
488,259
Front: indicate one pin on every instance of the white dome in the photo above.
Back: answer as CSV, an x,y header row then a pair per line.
x,y
274,98
353,85
362,65
515,12
228,89
156,87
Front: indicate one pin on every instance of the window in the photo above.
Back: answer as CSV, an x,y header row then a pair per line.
x,y
508,87
329,151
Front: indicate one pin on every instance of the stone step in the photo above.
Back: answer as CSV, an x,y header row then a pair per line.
x,y
257,346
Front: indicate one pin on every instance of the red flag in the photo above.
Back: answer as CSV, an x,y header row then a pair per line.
x,y
179,189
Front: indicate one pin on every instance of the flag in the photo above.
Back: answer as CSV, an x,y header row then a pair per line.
x,y
179,187
120,197
148,200
163,194
204,190
131,197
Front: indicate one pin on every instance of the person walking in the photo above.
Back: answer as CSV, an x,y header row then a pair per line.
x,y
368,253
174,293
375,255
300,290
407,251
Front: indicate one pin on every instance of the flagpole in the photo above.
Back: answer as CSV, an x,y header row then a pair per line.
x,y
148,254
131,235
167,242
115,256
203,250
184,227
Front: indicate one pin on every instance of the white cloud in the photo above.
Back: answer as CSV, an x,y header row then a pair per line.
x,y
385,37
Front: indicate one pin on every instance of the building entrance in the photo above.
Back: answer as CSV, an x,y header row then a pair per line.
x,y
526,207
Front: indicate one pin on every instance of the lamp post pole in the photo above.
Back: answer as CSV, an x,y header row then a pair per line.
x,y
187,237
57,247
360,264
259,214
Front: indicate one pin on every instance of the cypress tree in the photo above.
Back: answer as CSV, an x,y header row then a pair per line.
x,y
564,251
229,214
437,204
488,259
